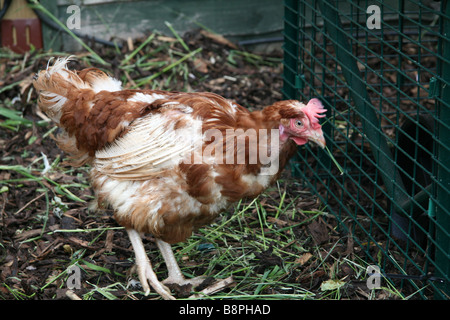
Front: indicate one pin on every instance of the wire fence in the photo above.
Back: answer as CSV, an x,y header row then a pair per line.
x,y
382,69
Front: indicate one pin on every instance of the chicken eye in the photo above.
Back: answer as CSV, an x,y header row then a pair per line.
x,y
298,124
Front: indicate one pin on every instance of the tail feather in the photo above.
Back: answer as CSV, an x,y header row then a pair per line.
x,y
89,106
55,85
59,92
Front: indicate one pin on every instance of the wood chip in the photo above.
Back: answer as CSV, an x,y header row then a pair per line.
x,y
109,245
201,65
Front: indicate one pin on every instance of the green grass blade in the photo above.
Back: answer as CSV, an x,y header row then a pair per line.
x,y
13,115
169,67
177,36
142,45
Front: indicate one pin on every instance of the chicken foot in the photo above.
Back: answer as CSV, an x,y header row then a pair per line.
x,y
175,275
144,268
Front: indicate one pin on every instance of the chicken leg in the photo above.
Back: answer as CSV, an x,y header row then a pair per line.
x,y
144,267
175,275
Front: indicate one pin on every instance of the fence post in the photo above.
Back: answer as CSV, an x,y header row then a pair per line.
x,y
443,170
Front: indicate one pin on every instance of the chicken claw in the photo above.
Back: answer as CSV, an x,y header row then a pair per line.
x,y
175,274
144,268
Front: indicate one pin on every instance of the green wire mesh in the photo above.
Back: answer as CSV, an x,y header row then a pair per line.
x,y
387,90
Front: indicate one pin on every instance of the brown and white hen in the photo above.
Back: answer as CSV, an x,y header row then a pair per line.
x,y
168,163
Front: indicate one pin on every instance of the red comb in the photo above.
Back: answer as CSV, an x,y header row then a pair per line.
x,y
313,110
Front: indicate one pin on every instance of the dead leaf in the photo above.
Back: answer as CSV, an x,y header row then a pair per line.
x,y
304,258
319,232
350,244
331,285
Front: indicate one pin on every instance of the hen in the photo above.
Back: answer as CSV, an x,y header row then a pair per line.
x,y
168,163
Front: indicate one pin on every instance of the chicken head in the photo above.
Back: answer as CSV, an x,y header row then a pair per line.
x,y
305,125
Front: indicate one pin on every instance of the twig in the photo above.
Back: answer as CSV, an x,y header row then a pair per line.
x,y
219,285
29,202
130,80
33,233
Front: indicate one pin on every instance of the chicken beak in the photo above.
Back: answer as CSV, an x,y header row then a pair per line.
x,y
318,139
